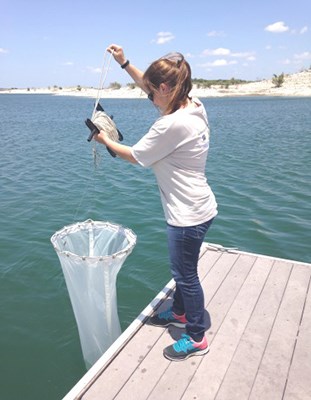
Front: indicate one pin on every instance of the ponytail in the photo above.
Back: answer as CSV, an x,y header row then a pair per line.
x,y
175,71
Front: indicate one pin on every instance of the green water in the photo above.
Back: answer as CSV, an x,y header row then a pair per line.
x,y
259,169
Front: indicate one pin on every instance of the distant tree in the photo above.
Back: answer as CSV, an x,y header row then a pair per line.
x,y
131,85
204,83
278,80
79,88
114,85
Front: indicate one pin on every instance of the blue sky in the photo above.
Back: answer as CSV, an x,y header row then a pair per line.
x,y
60,42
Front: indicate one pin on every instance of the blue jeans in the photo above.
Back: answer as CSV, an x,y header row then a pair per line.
x,y
184,245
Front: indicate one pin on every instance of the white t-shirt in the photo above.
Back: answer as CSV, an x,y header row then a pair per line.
x,y
176,148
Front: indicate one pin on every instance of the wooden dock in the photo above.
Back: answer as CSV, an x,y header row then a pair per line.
x,y
258,320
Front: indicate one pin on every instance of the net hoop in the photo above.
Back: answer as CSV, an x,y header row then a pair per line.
x,y
61,235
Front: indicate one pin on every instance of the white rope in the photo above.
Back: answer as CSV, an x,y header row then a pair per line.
x,y
103,76
96,155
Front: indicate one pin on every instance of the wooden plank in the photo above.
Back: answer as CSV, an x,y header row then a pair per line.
x,y
241,373
123,366
207,262
83,385
272,374
120,368
298,385
154,365
217,275
213,367
148,373
260,329
131,376
222,288
96,370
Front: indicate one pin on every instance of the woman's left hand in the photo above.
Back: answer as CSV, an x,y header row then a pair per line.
x,y
101,137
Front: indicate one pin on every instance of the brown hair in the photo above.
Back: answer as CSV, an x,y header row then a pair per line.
x,y
175,71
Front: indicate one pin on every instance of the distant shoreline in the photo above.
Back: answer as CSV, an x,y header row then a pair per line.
x,y
295,85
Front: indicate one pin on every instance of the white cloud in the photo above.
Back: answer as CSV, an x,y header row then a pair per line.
x,y
303,56
189,55
164,37
3,51
94,70
301,31
68,63
218,63
277,27
216,52
216,34
246,54
287,61
268,47
228,53
298,59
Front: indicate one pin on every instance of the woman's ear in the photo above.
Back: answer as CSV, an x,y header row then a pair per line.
x,y
164,88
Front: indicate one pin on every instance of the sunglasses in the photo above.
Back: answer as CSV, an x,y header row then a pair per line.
x,y
176,57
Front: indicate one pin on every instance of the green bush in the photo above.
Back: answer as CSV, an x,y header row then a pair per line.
x,y
115,85
208,83
278,80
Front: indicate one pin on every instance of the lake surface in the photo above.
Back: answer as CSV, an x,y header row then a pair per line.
x,y
258,167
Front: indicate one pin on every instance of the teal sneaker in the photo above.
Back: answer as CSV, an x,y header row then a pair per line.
x,y
167,318
186,347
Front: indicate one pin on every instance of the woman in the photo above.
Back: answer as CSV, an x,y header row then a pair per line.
x,y
176,149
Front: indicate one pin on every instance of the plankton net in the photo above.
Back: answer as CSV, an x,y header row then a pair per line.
x,y
91,254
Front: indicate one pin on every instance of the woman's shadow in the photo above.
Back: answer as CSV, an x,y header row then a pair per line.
x,y
173,331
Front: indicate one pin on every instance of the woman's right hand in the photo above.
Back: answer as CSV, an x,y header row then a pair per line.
x,y
117,52
135,73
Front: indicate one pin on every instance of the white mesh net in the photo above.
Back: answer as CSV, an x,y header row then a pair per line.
x,y
91,254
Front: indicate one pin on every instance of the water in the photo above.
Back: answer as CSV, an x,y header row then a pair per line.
x,y
259,169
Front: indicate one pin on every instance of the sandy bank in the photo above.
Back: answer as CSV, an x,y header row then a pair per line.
x,y
298,84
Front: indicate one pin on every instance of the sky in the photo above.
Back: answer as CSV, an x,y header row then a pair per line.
x,y
59,42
